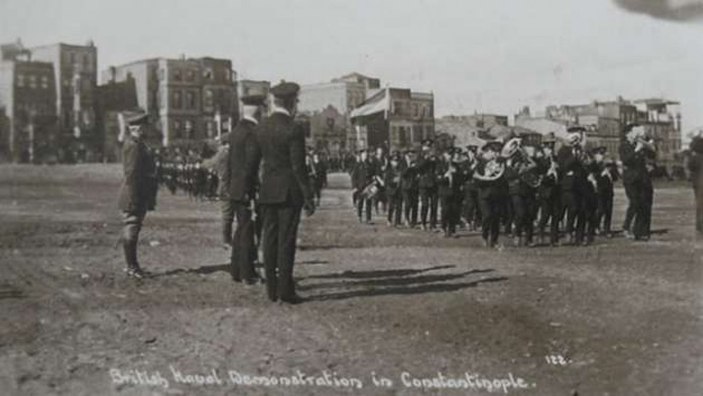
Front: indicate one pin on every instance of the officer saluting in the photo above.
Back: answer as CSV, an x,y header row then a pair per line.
x,y
241,189
284,191
138,190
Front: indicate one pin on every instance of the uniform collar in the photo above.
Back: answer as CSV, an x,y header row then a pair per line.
x,y
251,119
281,110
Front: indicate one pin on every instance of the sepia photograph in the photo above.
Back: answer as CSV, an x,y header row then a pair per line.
x,y
337,197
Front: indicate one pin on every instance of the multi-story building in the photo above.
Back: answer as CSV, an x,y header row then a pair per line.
x,y
28,97
188,100
662,120
604,122
253,87
394,118
112,99
328,107
75,81
466,129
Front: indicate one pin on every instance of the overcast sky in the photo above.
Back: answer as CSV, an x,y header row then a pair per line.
x,y
475,55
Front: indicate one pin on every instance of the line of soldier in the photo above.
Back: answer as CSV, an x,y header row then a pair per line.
x,y
264,176
509,185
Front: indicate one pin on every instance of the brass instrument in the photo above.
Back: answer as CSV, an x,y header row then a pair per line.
x,y
492,171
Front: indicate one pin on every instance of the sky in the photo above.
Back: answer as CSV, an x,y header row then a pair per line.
x,y
491,56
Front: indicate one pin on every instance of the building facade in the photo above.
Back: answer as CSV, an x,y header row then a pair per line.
x,y
189,101
327,107
114,98
75,81
467,129
28,107
394,118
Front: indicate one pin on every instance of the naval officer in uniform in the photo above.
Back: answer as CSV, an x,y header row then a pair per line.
x,y
242,186
284,190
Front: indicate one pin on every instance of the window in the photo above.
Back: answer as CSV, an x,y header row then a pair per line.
x,y
190,75
32,81
189,129
190,100
20,80
396,107
208,98
403,138
177,129
45,82
161,74
416,110
417,133
207,74
86,61
210,129
177,75
71,58
177,100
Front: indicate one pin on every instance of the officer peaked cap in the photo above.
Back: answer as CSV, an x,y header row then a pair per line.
x,y
285,90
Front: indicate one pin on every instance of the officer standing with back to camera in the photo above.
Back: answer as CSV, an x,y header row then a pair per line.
x,y
284,190
242,186
138,190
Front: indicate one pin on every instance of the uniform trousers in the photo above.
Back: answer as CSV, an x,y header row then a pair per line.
x,y
428,201
280,233
243,247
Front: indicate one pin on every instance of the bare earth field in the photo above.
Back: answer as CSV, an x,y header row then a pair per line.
x,y
616,318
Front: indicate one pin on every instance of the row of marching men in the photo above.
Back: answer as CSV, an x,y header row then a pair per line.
x,y
535,193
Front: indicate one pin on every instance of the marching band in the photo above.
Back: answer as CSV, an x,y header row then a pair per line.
x,y
547,194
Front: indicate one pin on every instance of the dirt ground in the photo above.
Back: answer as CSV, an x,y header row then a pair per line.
x,y
616,318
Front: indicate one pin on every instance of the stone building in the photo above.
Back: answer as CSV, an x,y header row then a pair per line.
x,y
75,81
328,106
29,131
394,118
189,101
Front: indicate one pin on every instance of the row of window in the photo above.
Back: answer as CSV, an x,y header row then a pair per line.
x,y
72,58
188,75
411,109
408,135
32,81
186,130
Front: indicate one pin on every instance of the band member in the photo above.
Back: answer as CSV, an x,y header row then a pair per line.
x,y
489,174
447,180
409,188
242,187
380,162
363,176
573,179
138,190
427,186
695,166
606,174
522,178
320,181
548,192
392,190
470,211
590,198
635,151
284,189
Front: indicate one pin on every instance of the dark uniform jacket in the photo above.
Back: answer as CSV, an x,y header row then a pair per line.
x,y
634,164
391,180
447,186
548,186
241,139
489,189
409,176
573,173
427,177
139,186
363,174
280,143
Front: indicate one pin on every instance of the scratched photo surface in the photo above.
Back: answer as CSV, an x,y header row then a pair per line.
x,y
384,304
